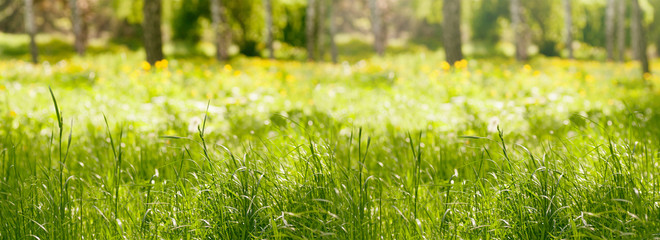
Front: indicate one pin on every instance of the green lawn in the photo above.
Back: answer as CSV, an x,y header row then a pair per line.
x,y
399,147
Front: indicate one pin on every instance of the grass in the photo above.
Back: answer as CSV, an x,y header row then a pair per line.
x,y
393,148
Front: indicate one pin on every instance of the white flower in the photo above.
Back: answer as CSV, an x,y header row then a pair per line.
x,y
193,123
493,123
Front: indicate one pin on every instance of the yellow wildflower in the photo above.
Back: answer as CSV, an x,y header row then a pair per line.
x,y
588,78
12,114
434,74
228,68
146,66
426,68
162,64
461,64
2,87
445,66
290,78
237,73
527,67
647,76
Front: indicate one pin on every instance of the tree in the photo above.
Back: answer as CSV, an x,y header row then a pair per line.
x,y
635,32
541,25
332,31
519,30
269,28
376,27
31,30
153,40
568,27
609,28
221,30
321,15
656,26
310,29
621,29
78,26
484,23
637,16
451,27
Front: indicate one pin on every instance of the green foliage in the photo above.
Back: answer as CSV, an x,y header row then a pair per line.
x,y
484,23
185,20
131,10
293,30
429,10
247,24
549,48
591,20
428,34
546,24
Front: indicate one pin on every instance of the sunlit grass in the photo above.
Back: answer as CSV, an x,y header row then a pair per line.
x,y
401,147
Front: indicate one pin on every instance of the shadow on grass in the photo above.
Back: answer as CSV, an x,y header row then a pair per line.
x,y
51,48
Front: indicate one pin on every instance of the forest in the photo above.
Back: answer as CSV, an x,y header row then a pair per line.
x,y
329,119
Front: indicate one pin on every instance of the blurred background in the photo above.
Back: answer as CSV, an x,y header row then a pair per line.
x,y
339,30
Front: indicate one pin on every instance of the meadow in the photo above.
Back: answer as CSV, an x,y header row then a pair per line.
x,y
397,147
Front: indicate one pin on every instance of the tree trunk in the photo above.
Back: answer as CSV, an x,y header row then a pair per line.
x,y
519,31
310,29
621,29
638,15
153,40
656,24
333,30
77,25
376,27
609,28
31,30
320,28
222,33
635,31
269,28
451,30
568,27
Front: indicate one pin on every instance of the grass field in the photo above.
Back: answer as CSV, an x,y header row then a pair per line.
x,y
400,147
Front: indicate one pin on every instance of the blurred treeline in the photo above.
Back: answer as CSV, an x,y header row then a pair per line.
x,y
187,25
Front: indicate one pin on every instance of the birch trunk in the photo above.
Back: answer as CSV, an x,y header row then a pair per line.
x,y
451,26
609,29
310,29
333,30
77,27
376,27
269,28
621,29
638,15
31,30
153,40
221,30
568,27
635,31
519,31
